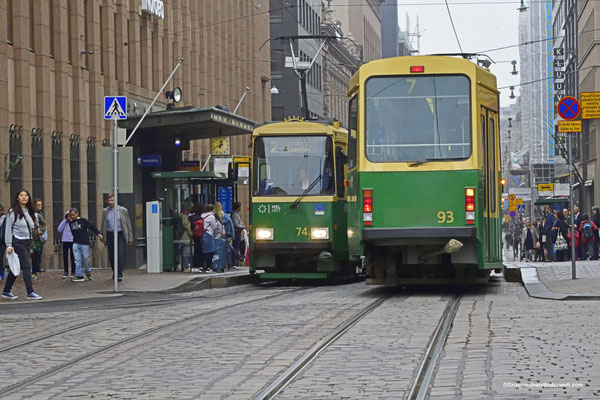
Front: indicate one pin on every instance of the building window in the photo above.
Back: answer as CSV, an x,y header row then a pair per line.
x,y
31,27
276,63
276,15
91,178
37,167
16,169
9,20
51,26
57,186
75,176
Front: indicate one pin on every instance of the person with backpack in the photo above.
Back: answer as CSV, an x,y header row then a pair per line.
x,y
211,229
17,228
2,246
197,228
586,233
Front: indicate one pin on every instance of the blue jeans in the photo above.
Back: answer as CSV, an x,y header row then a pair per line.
x,y
82,254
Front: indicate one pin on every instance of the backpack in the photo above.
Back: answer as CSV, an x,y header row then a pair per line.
x,y
198,228
587,230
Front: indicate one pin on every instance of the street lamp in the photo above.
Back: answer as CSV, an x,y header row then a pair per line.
x,y
509,122
514,64
512,92
274,90
522,8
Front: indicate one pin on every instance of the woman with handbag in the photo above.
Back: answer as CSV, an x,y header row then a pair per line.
x,y
529,238
560,232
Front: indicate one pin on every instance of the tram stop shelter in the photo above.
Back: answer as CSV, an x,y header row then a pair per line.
x,y
161,172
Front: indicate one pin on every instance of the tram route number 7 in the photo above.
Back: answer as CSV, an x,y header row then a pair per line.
x,y
445,217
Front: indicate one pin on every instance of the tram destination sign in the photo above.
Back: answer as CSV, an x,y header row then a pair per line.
x,y
569,126
590,105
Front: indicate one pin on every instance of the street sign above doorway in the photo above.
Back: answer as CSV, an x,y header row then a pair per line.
x,y
569,108
115,107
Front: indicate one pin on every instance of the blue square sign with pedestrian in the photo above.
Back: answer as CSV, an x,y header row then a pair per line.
x,y
115,107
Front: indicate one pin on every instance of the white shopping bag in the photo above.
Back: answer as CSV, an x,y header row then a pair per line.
x,y
14,263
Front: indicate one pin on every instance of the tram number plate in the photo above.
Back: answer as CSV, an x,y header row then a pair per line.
x,y
445,217
302,231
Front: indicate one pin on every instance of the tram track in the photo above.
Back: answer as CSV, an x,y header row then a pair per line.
x,y
53,370
288,376
426,369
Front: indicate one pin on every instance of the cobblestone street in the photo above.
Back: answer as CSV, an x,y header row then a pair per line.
x,y
231,343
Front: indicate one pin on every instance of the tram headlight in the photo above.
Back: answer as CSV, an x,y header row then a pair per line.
x,y
264,233
319,233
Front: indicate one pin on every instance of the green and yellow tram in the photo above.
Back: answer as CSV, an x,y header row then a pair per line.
x,y
297,212
424,171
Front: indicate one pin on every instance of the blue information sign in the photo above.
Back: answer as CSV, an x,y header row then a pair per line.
x,y
225,195
151,160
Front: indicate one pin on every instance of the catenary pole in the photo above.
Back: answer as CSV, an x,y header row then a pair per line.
x,y
572,209
116,205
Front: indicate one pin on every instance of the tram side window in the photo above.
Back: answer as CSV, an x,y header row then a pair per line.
x,y
492,163
353,127
340,161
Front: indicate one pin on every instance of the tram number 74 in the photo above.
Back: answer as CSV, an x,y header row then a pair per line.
x,y
445,217
302,231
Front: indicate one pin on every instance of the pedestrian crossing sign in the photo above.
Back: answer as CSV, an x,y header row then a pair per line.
x,y
521,207
115,107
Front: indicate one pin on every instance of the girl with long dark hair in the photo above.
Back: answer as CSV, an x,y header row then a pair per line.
x,y
19,225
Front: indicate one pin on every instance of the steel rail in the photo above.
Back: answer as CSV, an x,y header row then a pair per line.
x,y
283,380
154,304
421,383
53,370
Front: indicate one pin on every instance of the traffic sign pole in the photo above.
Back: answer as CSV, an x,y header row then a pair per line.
x,y
573,262
116,206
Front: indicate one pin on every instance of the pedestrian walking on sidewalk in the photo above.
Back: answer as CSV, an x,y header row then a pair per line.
x,y
560,235
587,232
81,244
238,226
596,220
123,231
529,237
17,235
547,233
2,245
67,245
38,239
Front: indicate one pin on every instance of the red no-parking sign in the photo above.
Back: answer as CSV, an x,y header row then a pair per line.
x,y
569,108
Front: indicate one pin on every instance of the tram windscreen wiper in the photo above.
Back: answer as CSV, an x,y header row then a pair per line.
x,y
427,160
308,189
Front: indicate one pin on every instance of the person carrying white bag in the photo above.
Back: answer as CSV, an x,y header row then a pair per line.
x,y
17,234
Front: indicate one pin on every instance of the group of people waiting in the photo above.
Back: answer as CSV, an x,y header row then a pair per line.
x,y
551,239
24,232
217,238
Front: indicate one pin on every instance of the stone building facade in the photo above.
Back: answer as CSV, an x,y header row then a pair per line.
x,y
59,58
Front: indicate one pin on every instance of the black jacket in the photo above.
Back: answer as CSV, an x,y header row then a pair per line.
x,y
79,228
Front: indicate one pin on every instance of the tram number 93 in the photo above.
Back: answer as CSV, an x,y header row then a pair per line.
x,y
445,217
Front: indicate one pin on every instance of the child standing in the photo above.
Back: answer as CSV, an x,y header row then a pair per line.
x,y
81,243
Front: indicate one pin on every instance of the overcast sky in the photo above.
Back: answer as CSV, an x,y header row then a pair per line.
x,y
481,25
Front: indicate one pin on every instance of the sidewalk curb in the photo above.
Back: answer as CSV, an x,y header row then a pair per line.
x,y
528,276
203,282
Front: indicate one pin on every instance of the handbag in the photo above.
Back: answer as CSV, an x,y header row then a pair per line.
x,y
561,243
537,245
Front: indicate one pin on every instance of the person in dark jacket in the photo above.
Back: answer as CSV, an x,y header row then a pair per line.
x,y
596,220
196,216
560,226
547,233
2,247
81,243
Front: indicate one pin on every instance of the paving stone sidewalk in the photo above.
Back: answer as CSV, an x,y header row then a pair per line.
x,y
52,286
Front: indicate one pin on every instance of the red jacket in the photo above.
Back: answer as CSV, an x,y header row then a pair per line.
x,y
576,238
585,239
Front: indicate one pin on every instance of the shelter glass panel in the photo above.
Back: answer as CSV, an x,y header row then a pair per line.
x,y
418,118
293,166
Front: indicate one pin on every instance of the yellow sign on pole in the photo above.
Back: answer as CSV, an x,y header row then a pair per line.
x,y
545,187
569,126
512,197
519,201
590,105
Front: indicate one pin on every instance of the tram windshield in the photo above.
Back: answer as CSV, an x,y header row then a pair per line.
x,y
418,118
289,165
